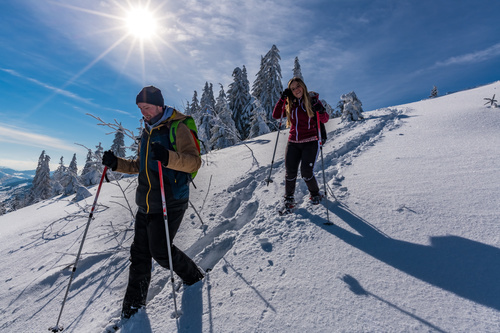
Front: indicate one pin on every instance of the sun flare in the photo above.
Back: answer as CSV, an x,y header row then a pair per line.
x,y
135,24
141,23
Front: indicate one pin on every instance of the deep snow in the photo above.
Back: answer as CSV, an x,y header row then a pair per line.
x,y
415,245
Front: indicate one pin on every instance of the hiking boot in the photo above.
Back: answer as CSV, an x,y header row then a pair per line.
x,y
129,311
289,201
288,206
199,276
316,199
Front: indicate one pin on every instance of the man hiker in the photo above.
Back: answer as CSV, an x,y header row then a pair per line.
x,y
178,160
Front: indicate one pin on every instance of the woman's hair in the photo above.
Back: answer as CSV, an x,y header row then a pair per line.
x,y
306,100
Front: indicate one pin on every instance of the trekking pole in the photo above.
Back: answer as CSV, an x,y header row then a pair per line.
x,y
192,206
169,248
269,180
57,328
323,168
333,194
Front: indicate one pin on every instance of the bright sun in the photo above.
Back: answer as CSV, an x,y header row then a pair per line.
x,y
141,23
138,21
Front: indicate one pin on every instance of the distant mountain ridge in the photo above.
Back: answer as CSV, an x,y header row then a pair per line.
x,y
14,182
10,176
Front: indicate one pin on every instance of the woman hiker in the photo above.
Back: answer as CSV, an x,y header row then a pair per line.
x,y
300,107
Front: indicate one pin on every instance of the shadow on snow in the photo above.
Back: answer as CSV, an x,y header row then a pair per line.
x,y
462,266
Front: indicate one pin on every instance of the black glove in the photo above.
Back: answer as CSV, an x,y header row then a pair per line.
x,y
159,153
317,106
109,159
286,93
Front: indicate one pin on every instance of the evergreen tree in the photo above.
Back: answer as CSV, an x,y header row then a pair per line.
x,y
70,181
57,176
118,146
87,170
187,109
239,98
434,92
195,108
42,187
296,69
259,85
268,87
351,110
328,108
134,147
207,105
339,109
195,111
61,169
73,168
211,95
224,133
98,156
19,202
258,125
92,171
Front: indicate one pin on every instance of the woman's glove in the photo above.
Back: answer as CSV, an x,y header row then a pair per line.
x,y
286,93
109,159
317,106
160,153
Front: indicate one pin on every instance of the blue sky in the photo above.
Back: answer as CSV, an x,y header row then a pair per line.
x,y
63,59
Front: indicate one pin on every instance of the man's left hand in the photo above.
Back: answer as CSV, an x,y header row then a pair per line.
x,y
160,153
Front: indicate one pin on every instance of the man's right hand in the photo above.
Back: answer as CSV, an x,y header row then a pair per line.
x,y
109,159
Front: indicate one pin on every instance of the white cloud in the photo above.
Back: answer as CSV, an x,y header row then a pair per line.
x,y
18,165
47,86
59,91
473,57
195,35
22,136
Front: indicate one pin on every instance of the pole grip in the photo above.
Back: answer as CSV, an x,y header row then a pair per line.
x,y
319,131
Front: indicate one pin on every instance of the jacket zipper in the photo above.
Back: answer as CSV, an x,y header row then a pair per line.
x,y
147,172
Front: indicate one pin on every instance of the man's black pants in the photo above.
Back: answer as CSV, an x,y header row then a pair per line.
x,y
150,242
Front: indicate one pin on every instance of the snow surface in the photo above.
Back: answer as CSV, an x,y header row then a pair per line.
x,y
415,245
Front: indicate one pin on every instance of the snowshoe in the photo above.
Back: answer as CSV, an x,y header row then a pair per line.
x,y
129,311
316,199
288,207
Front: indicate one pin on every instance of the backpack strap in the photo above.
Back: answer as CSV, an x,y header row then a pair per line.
x,y
173,133
189,122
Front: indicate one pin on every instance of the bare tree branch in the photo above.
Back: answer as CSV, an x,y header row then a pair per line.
x,y
116,127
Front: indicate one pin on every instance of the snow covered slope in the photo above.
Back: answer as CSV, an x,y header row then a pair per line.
x,y
415,245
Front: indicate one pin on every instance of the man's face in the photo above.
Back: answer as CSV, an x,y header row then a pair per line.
x,y
149,111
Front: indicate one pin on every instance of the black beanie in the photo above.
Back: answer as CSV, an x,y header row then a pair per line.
x,y
150,95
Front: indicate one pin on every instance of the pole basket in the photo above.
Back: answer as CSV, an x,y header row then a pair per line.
x,y
56,329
